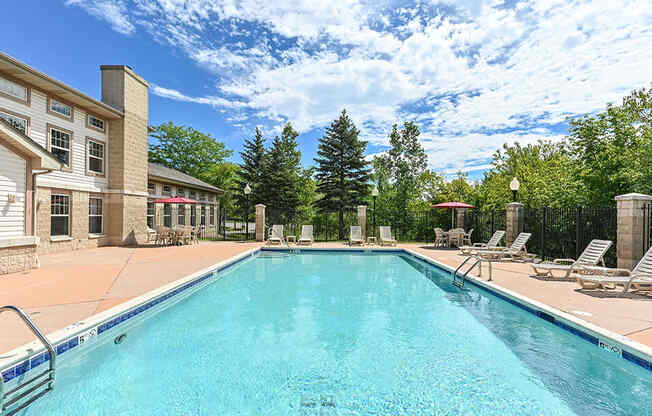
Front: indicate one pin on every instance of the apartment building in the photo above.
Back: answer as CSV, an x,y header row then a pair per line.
x,y
74,171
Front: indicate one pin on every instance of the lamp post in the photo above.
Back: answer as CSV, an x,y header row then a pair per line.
x,y
514,185
374,193
247,191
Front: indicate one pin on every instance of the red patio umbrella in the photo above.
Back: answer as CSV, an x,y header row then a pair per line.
x,y
176,200
453,205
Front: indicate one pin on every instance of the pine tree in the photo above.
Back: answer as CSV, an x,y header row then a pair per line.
x,y
281,179
251,172
342,172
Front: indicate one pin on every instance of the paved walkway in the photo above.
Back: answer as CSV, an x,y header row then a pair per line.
x,y
72,286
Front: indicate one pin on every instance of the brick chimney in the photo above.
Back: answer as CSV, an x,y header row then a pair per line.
x,y
126,91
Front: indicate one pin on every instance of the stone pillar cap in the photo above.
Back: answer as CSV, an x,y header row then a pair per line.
x,y
260,205
362,206
514,204
633,196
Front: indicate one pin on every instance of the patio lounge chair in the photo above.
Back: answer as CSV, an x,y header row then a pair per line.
x,y
386,236
306,235
491,244
603,278
591,256
516,251
356,235
276,236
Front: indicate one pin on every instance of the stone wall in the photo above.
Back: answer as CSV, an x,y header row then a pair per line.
x,y
17,259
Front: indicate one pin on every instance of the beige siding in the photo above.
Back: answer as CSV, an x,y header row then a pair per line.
x,y
39,118
12,182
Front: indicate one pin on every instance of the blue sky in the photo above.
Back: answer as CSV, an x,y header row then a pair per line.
x,y
472,74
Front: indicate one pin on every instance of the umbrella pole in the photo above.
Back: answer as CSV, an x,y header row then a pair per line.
x,y
452,218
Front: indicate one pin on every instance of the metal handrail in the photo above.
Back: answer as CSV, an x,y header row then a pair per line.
x,y
478,261
37,332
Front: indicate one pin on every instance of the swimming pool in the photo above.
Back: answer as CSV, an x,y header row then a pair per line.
x,y
343,334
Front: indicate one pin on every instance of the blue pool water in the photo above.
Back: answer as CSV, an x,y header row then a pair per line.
x,y
345,334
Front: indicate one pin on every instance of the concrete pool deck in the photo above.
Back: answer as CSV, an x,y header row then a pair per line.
x,y
72,286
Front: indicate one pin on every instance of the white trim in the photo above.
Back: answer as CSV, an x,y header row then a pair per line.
x,y
29,240
46,159
60,238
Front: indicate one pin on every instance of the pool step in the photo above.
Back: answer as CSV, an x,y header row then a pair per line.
x,y
27,391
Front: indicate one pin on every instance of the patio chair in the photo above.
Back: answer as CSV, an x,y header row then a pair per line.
x,y
516,251
276,235
195,233
466,238
490,245
356,235
456,236
604,278
306,235
386,236
441,238
591,256
162,235
185,236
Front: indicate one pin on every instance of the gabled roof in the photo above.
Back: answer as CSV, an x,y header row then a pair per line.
x,y
41,157
172,175
45,83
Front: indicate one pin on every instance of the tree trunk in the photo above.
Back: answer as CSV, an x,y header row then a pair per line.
x,y
341,224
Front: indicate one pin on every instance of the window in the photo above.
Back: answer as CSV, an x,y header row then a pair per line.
x,y
150,214
203,215
94,122
151,188
202,197
60,215
13,90
60,144
193,215
181,192
167,215
95,215
59,109
193,195
95,154
167,190
212,215
19,123
181,217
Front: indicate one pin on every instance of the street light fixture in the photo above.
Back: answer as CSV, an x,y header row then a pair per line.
x,y
374,193
514,185
247,191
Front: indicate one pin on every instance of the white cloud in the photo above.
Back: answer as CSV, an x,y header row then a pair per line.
x,y
473,80
113,11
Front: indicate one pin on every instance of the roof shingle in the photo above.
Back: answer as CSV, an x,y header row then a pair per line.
x,y
164,172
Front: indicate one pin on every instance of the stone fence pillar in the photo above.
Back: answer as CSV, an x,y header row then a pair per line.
x,y
362,219
461,215
514,221
630,246
260,222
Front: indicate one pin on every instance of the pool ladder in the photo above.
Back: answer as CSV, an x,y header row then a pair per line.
x,y
28,391
458,280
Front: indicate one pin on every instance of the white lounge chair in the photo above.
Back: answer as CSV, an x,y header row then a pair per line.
x,y
356,235
491,244
276,236
386,236
603,278
306,235
591,256
516,251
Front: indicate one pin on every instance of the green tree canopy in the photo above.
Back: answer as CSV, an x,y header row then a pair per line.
x,y
187,150
398,171
282,173
342,172
251,171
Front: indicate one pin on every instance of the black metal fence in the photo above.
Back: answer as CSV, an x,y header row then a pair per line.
x,y
484,223
232,226
565,232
